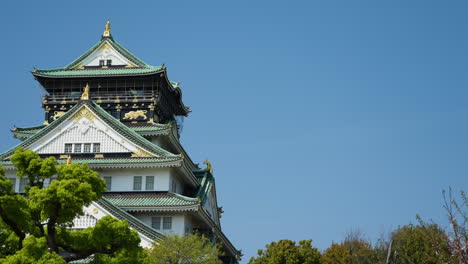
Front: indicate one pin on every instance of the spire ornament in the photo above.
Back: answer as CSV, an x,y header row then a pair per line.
x,y
107,29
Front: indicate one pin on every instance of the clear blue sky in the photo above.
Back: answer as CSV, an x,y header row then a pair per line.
x,y
318,116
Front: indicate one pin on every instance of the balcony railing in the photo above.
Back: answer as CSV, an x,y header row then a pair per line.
x,y
74,97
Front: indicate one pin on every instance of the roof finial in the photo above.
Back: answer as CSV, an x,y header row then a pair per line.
x,y
208,166
107,29
69,160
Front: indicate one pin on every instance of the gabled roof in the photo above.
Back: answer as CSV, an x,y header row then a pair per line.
x,y
121,49
133,221
76,68
115,124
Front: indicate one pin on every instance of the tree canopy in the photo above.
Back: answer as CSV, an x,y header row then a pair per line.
x,y
188,249
34,227
288,252
420,244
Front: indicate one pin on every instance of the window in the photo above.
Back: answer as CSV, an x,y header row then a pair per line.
x,y
156,222
173,186
101,62
167,223
108,180
13,180
149,183
87,147
96,147
109,62
68,148
23,184
137,183
77,148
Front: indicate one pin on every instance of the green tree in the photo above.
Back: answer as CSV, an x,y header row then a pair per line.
x,y
353,250
420,244
33,228
189,249
288,252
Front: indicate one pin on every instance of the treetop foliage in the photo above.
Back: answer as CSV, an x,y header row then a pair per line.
x,y
33,227
288,252
189,249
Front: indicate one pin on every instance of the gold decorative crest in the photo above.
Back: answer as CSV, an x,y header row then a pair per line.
x,y
84,112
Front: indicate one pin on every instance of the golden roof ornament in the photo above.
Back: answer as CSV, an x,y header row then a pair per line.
x,y
208,166
69,160
107,29
85,94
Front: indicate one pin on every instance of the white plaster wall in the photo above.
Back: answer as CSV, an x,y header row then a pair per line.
x,y
122,180
179,187
178,222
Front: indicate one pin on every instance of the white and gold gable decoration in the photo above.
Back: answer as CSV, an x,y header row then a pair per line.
x,y
105,52
85,127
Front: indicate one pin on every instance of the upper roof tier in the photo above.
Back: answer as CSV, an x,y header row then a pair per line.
x,y
105,58
113,75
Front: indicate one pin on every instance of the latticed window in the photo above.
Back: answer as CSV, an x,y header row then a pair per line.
x,y
13,180
156,222
101,62
68,148
87,147
109,62
137,183
77,148
149,183
167,223
108,180
96,147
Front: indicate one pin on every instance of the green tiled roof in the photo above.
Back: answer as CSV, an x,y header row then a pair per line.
x,y
129,199
107,161
99,72
133,221
148,129
24,133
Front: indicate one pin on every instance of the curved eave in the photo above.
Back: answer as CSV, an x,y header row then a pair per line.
x,y
43,74
113,163
181,208
176,89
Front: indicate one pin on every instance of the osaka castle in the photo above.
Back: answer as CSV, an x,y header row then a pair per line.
x,y
122,117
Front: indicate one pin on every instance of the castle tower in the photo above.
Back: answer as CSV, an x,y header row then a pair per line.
x,y
122,116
